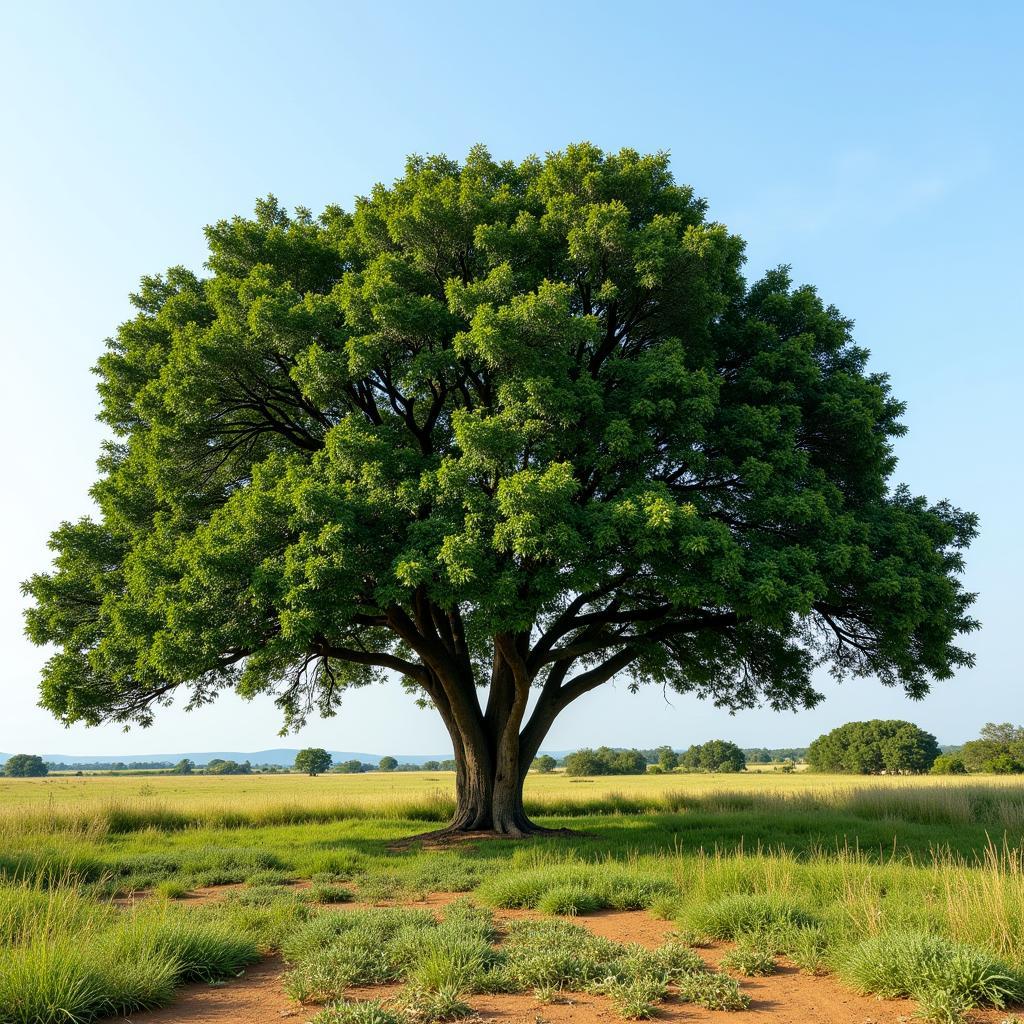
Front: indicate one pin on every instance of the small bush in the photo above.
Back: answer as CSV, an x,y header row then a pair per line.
x,y
637,999
922,966
943,1006
569,900
742,913
427,1007
270,876
171,890
344,1012
752,956
713,991
324,892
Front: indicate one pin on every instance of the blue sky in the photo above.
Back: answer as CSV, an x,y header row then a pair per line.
x,y
877,148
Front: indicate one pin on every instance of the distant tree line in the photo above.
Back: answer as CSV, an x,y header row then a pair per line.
x,y
108,766
867,748
999,749
713,756
775,755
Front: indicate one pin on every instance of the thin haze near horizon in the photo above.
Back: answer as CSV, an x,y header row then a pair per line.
x,y
876,148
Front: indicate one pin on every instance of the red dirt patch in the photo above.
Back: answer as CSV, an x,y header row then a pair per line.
x,y
787,997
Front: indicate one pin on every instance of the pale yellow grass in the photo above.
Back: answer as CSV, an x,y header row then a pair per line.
x,y
72,796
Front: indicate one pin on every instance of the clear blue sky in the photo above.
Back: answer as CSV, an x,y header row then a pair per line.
x,y
875,147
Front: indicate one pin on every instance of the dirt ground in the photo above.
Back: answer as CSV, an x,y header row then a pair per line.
x,y
786,997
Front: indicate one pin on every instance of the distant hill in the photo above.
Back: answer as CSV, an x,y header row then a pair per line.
x,y
284,756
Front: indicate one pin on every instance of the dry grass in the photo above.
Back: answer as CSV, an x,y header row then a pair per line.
x,y
110,803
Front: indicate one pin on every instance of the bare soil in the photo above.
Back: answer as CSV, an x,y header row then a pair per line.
x,y
786,997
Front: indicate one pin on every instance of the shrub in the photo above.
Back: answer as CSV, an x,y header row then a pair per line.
x,y
425,1006
326,892
732,916
752,956
948,764
569,900
170,889
918,965
712,990
637,999
368,1012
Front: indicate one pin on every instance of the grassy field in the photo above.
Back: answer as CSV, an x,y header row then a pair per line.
x,y
898,886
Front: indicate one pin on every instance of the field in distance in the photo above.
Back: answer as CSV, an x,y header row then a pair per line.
x,y
62,791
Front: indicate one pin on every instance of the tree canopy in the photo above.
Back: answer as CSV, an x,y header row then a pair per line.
x,y
500,426
713,756
25,766
313,761
870,748
999,748
605,761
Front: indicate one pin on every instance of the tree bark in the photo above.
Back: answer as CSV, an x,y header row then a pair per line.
x,y
492,760
489,790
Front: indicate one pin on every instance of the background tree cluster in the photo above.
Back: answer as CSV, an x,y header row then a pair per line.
x,y
873,748
713,756
25,766
605,761
774,755
221,766
998,749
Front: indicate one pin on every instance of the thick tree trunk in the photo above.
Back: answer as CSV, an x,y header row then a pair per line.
x,y
489,788
489,793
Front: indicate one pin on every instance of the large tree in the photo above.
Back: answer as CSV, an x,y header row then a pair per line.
x,y
504,429
871,748
313,761
25,766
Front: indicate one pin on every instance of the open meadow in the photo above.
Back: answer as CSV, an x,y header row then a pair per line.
x,y
796,896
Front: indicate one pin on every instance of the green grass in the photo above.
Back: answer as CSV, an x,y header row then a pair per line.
x,y
753,956
69,959
863,880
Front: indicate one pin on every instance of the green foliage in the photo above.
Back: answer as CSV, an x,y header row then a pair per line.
x,y
570,889
738,914
637,999
25,766
496,404
220,766
313,761
869,748
387,764
326,892
712,990
370,1011
752,955
713,756
668,759
930,968
605,761
544,764
65,958
999,749
948,764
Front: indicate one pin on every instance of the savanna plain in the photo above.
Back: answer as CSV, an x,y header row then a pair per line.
x,y
767,897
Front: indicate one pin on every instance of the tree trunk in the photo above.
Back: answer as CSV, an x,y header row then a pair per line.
x,y
489,788
489,793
